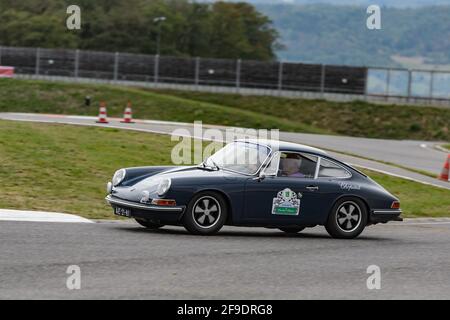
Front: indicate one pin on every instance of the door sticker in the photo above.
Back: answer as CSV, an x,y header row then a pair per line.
x,y
286,203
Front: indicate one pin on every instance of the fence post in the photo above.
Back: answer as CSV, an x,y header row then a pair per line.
x,y
431,85
156,69
38,61
388,84
280,77
116,66
366,86
77,63
238,75
197,71
409,84
322,79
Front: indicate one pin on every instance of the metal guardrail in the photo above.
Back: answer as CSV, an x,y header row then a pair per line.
x,y
375,84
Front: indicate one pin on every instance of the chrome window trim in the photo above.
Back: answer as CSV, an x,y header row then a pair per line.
x,y
316,174
338,165
268,162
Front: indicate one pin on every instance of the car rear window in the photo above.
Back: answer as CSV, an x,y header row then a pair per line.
x,y
330,169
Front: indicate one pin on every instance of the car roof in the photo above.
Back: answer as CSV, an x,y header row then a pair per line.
x,y
285,146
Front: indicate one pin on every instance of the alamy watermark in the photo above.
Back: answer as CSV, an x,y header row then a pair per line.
x,y
374,19
195,146
374,280
73,21
73,281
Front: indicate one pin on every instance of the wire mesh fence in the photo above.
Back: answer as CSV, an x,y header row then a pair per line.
x,y
412,84
315,78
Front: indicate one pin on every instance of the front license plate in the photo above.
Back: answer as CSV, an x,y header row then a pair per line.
x,y
123,212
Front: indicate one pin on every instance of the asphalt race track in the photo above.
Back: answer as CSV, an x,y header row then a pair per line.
x,y
122,260
419,155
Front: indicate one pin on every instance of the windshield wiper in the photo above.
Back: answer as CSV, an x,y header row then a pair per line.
x,y
214,164
205,166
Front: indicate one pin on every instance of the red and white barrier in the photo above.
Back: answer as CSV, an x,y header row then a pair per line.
x,y
6,72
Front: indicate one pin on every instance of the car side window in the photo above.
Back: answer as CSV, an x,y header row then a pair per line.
x,y
297,165
330,169
272,168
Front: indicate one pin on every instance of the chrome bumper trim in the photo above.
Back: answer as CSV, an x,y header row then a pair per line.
x,y
387,211
135,205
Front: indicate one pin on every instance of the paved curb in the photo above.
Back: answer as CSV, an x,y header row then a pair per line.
x,y
427,220
40,216
441,148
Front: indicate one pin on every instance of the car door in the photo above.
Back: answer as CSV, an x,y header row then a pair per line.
x,y
280,200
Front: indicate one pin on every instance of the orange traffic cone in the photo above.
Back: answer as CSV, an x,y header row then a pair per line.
x,y
128,114
102,117
446,170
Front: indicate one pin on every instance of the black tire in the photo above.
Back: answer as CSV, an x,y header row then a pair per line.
x,y
206,213
348,218
292,230
148,224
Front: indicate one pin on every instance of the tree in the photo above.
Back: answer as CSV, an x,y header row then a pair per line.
x,y
219,30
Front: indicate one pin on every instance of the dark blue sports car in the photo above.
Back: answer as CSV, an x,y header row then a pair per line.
x,y
260,183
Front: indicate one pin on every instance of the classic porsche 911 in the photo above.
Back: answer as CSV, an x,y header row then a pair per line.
x,y
260,183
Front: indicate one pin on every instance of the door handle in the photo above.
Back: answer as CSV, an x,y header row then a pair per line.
x,y
312,188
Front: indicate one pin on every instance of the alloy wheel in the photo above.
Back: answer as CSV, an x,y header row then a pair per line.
x,y
206,212
348,216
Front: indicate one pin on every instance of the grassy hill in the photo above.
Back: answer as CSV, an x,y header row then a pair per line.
x,y
64,168
311,116
62,98
359,119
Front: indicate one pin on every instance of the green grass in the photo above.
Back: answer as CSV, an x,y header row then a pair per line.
x,y
62,98
417,200
64,168
358,118
447,146
296,115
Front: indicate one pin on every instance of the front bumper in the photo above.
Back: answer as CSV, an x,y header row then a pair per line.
x,y
385,215
149,212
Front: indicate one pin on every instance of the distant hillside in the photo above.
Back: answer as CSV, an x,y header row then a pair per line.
x,y
338,34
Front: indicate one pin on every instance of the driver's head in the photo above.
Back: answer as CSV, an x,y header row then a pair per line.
x,y
291,164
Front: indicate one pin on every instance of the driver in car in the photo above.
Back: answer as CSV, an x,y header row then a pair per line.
x,y
290,166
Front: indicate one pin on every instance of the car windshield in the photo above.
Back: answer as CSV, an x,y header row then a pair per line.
x,y
242,157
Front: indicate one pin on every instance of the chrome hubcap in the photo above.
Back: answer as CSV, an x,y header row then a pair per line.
x,y
348,216
206,212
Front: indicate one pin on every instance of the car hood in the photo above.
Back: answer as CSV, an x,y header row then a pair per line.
x,y
192,172
179,175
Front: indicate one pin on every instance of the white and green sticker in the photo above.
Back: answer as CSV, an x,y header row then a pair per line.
x,y
286,203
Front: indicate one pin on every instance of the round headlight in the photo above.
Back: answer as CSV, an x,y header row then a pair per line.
x,y
163,187
118,177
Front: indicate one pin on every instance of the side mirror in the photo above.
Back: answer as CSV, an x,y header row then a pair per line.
x,y
261,177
